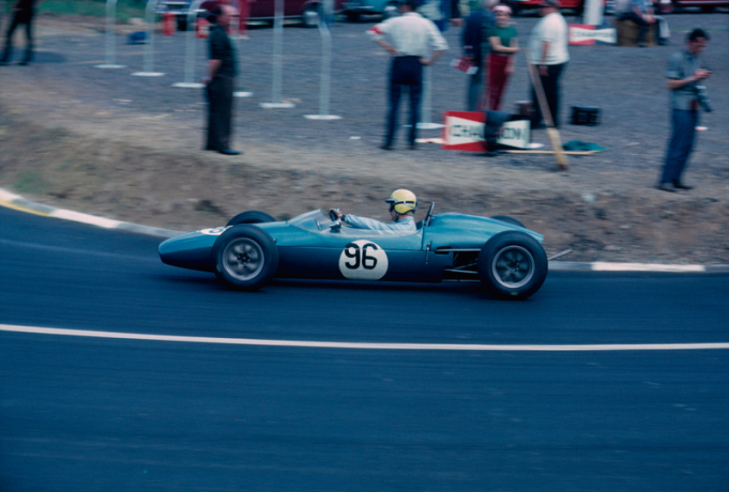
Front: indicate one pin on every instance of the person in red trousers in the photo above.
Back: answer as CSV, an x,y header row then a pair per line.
x,y
504,43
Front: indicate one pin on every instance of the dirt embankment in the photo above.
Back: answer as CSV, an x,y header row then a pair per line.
x,y
183,190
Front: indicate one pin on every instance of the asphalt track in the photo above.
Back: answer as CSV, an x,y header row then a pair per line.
x,y
89,413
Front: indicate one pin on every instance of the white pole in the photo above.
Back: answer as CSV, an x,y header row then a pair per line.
x,y
237,36
326,66
110,36
149,48
277,59
190,49
425,109
593,12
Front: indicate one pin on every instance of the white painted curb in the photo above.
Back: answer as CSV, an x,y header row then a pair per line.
x,y
17,202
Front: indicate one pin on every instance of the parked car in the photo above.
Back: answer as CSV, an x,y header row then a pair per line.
x,y
254,248
353,9
308,11
577,6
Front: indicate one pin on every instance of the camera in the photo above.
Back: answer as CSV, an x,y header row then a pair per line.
x,y
702,95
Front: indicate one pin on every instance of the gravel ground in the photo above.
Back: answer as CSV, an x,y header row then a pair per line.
x,y
106,142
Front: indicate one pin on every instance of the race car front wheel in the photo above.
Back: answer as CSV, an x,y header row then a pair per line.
x,y
245,257
508,220
512,265
251,217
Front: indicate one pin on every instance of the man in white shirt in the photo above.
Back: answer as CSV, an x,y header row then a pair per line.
x,y
413,41
548,50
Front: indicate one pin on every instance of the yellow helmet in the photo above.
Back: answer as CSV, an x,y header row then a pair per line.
x,y
403,201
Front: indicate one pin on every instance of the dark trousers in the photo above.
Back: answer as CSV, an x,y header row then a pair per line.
x,y
474,92
406,71
220,112
497,79
680,144
643,26
21,17
550,83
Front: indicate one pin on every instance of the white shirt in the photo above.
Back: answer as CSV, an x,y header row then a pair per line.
x,y
410,34
553,29
404,224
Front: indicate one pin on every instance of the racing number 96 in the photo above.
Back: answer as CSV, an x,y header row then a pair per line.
x,y
359,256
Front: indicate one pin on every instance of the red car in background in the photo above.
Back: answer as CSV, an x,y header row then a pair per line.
x,y
307,10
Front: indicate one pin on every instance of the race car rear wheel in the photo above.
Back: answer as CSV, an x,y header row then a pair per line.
x,y
508,220
512,265
251,217
245,257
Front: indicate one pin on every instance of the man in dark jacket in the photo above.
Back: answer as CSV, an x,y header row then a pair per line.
x,y
22,14
475,48
220,81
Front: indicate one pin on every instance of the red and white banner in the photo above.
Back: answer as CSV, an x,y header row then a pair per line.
x,y
463,130
587,35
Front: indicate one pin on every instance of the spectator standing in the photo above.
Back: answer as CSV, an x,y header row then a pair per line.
x,y
22,14
220,81
641,12
686,96
504,43
548,50
413,41
475,48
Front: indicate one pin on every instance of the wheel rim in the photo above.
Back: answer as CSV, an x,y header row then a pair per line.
x,y
243,259
513,267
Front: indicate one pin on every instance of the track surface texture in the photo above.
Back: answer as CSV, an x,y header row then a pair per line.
x,y
88,414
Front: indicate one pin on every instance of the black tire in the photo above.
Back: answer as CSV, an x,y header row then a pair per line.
x,y
251,217
353,16
512,265
245,257
508,220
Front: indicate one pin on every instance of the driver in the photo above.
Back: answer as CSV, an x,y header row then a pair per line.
x,y
402,207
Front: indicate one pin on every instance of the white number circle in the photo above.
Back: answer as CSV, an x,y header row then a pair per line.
x,y
217,231
363,260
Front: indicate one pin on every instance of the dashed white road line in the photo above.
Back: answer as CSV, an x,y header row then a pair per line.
x,y
366,345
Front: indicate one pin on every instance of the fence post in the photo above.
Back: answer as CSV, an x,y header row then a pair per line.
x,y
110,36
190,49
326,66
149,47
277,59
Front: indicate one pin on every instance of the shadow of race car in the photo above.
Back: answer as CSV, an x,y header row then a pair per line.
x,y
254,248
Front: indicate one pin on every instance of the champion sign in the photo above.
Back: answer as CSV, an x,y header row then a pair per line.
x,y
583,34
463,130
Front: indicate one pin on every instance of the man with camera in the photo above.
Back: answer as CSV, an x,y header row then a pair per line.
x,y
687,94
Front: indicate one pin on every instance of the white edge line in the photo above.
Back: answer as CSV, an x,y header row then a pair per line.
x,y
366,346
85,218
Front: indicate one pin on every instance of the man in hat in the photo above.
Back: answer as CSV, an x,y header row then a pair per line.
x,y
548,51
413,41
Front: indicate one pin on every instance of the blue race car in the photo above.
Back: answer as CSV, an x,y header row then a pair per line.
x,y
253,248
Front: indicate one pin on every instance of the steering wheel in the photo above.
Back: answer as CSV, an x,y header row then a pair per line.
x,y
426,221
336,222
